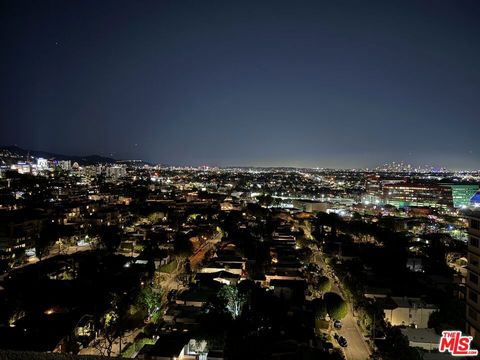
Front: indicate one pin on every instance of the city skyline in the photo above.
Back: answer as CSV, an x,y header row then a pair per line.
x,y
223,180
315,84
30,155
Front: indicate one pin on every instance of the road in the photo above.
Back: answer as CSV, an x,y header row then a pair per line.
x,y
54,251
357,348
197,258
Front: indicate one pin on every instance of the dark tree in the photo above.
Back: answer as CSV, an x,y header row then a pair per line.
x,y
319,308
182,245
48,236
337,307
110,237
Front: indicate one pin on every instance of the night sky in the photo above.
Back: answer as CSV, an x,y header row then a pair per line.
x,y
295,83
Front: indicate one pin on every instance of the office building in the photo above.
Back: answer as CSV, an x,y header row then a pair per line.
x,y
462,193
417,194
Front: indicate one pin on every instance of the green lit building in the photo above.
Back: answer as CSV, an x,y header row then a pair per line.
x,y
462,193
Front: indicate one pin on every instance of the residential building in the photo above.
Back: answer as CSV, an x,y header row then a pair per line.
x,y
426,339
406,311
42,164
18,231
473,278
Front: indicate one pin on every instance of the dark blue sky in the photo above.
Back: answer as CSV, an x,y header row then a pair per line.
x,y
320,83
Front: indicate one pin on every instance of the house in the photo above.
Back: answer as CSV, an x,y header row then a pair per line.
x,y
228,258
291,290
179,347
405,311
197,296
283,275
181,314
161,257
223,277
213,267
426,339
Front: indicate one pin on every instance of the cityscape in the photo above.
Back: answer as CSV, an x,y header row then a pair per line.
x,y
145,261
221,180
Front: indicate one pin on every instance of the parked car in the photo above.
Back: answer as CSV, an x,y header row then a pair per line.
x,y
337,324
342,341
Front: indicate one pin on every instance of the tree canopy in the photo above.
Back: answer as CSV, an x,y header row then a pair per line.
x,y
232,299
337,307
150,300
319,308
324,284
182,245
